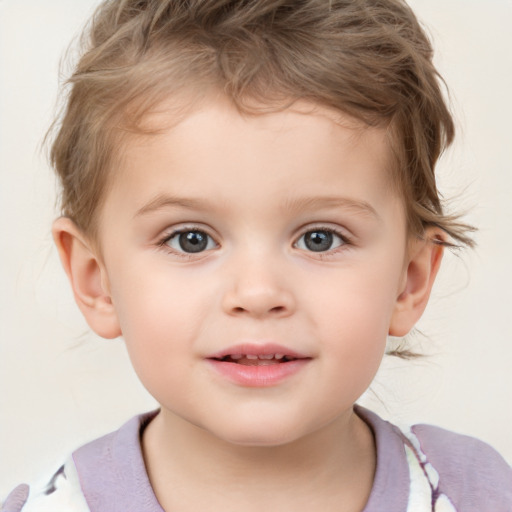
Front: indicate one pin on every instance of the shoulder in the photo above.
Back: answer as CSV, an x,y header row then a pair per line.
x,y
429,468
60,493
470,472
105,474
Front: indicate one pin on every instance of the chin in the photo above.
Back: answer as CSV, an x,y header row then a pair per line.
x,y
259,434
259,441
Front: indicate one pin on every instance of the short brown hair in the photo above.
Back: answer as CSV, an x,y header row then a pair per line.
x,y
367,58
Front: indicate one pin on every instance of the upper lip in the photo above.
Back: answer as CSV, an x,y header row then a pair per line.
x,y
258,349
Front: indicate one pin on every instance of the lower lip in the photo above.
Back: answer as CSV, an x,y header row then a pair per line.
x,y
258,376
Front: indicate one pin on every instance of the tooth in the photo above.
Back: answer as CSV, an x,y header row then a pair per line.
x,y
236,356
279,356
250,356
266,356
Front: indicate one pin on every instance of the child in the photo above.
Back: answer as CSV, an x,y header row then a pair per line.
x,y
249,200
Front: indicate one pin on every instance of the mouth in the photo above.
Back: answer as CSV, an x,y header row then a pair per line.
x,y
258,365
256,359
257,354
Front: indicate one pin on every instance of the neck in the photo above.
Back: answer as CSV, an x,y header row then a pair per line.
x,y
336,462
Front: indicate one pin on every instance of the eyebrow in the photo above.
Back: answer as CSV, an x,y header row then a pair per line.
x,y
162,201
330,202
301,204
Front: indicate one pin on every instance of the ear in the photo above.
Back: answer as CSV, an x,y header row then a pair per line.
x,y
88,278
422,265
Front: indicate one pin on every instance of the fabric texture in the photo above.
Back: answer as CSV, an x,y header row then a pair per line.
x,y
61,493
419,469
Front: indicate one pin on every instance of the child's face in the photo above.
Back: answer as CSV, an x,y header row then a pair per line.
x,y
278,233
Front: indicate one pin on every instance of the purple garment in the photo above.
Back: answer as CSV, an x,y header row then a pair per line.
x,y
112,472
16,499
472,475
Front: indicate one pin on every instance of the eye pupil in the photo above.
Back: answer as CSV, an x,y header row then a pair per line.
x,y
318,240
193,241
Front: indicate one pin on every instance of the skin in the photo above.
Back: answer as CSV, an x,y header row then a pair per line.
x,y
257,187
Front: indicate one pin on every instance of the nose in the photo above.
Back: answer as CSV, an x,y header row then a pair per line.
x,y
256,290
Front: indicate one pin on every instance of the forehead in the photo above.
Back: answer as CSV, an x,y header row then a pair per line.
x,y
302,151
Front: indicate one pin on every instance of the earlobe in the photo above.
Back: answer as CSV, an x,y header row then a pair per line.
x,y
424,260
87,276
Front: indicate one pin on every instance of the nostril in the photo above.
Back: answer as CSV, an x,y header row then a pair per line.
x,y
257,303
274,310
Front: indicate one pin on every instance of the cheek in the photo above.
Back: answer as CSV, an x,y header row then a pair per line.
x,y
356,343
162,314
148,296
356,301
352,320
152,314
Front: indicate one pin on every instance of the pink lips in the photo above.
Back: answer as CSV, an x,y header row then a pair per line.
x,y
255,365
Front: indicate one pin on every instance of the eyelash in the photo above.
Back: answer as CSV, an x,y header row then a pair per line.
x,y
163,243
346,241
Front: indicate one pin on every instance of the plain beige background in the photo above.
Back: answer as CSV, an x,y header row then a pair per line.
x,y
61,386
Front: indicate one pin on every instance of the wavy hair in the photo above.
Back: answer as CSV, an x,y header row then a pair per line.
x,y
370,59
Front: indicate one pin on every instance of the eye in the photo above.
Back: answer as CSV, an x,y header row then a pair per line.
x,y
190,241
320,240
